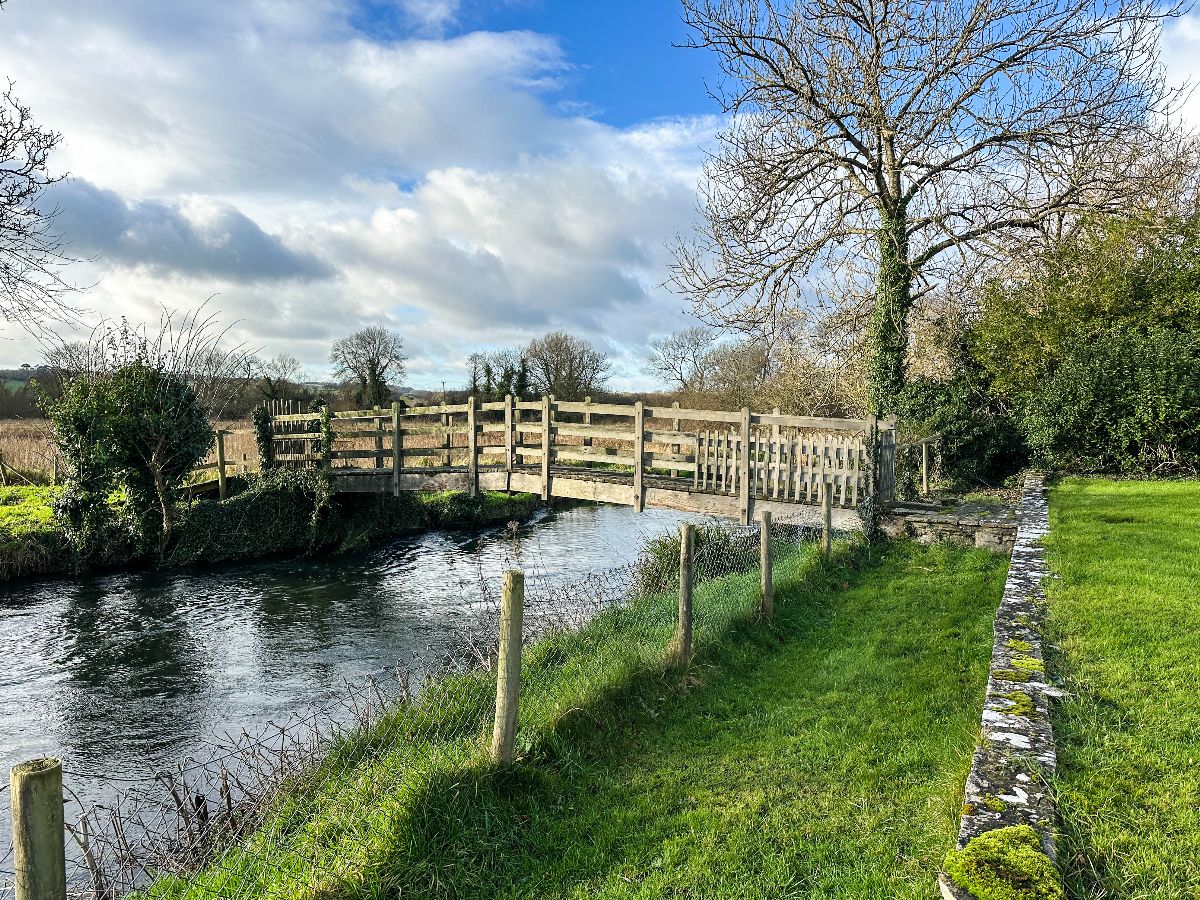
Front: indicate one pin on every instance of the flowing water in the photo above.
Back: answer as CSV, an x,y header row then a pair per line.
x,y
123,674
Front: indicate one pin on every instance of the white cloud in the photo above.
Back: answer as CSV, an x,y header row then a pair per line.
x,y
315,178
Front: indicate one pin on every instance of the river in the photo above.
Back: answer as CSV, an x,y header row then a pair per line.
x,y
124,674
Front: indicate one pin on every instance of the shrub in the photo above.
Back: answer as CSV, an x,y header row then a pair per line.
x,y
979,440
1120,401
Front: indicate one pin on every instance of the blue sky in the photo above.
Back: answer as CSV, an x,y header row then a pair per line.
x,y
469,173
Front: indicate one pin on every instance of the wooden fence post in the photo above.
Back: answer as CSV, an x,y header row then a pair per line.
x,y
39,844
683,635
448,443
826,518
222,487
545,448
924,468
472,449
378,439
675,447
3,471
744,474
509,424
765,563
508,667
587,420
639,455
397,448
53,468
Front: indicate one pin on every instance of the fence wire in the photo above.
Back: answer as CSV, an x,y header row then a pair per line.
x,y
305,808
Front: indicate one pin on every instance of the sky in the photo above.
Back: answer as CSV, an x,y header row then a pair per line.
x,y
470,173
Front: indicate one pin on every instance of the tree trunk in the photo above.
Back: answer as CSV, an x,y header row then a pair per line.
x,y
887,336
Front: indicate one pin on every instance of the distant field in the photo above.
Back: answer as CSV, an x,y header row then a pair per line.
x,y
1124,622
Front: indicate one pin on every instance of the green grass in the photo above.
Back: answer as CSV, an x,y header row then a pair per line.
x,y
1125,624
26,508
823,756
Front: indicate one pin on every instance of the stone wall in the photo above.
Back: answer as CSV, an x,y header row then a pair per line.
x,y
1015,756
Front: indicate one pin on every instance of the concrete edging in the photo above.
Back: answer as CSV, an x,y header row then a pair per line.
x,y
1016,752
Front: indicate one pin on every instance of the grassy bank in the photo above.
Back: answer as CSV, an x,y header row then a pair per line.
x,y
281,513
823,756
1124,620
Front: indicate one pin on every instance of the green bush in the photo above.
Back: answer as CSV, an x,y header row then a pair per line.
x,y
1121,401
979,441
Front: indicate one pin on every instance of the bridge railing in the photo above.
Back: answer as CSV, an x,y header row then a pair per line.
x,y
737,453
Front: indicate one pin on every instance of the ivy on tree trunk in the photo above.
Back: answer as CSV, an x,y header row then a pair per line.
x,y
887,336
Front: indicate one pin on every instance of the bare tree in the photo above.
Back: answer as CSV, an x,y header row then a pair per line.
x,y
566,366
679,358
32,287
279,376
904,135
368,360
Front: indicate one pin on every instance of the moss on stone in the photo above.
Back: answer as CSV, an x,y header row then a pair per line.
x,y
995,804
1022,704
1023,646
1011,675
1027,664
1005,864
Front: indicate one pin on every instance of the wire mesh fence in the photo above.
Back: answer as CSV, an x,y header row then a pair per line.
x,y
309,807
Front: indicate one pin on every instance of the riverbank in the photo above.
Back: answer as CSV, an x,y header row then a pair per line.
x,y
1124,644
278,513
821,754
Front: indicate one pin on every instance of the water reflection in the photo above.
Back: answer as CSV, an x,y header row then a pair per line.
x,y
123,674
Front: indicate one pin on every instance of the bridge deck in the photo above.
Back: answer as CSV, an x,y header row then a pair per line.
x,y
573,482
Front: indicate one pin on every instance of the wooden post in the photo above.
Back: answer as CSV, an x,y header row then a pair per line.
x,y
508,667
675,428
222,487
397,449
378,439
745,466
54,468
924,468
39,845
3,471
508,432
639,455
587,420
826,518
765,563
472,449
447,418
545,448
683,636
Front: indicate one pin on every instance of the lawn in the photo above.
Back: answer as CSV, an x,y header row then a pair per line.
x,y
1124,623
823,756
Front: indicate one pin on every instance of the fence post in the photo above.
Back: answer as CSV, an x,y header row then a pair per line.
x,y
448,443
765,564
675,428
924,468
639,455
545,448
3,472
378,439
472,449
222,488
53,468
826,518
587,420
508,433
39,839
397,448
744,474
683,637
508,667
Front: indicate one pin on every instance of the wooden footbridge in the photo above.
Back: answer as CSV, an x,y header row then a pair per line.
x,y
723,463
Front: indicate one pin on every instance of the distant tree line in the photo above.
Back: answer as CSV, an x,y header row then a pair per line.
x,y
558,364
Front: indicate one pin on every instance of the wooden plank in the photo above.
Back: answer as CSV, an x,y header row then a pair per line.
x,y
508,431
545,449
581,454
693,415
296,436
599,409
397,449
812,423
296,417
639,456
472,449
745,467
